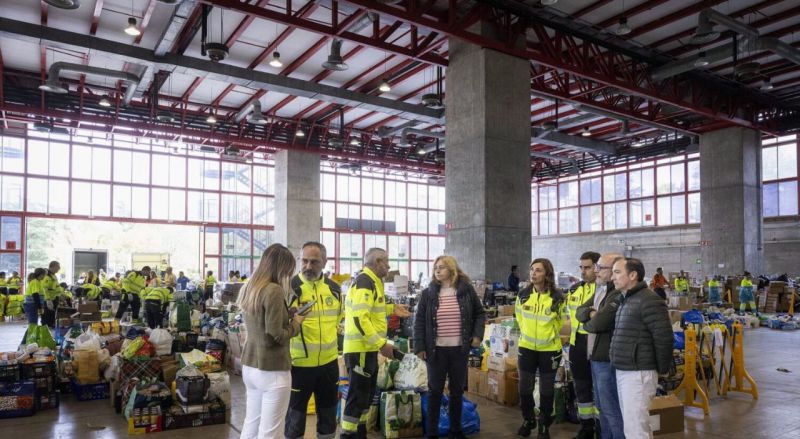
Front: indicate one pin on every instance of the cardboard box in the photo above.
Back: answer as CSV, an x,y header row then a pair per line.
x,y
88,312
675,315
477,381
666,415
505,310
502,363
141,423
502,388
205,414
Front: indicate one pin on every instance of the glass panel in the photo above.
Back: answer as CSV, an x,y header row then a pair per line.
x,y
620,187
435,246
621,214
396,220
328,211
122,166
420,270
58,196
663,184
161,170
195,170
635,179
140,168
101,164
608,188
678,182
82,162
81,198
610,215
211,207
212,241
568,220
568,194
140,202
38,152
177,205
160,204
769,164
647,182
243,209
211,175
11,191
13,156
228,177
787,196
398,247
694,175
342,191
122,201
787,161
664,211
194,208
374,241
243,178
419,247
10,262
261,184
10,231
37,195
59,159
678,209
101,199
694,208
436,223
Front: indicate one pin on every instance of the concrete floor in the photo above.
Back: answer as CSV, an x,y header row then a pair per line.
x,y
773,415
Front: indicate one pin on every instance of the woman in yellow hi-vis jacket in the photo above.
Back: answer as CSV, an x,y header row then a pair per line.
x,y
540,312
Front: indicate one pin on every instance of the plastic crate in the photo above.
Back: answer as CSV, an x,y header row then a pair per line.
x,y
48,401
17,399
91,392
10,372
39,370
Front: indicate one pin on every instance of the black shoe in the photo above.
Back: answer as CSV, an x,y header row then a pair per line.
x,y
544,432
526,428
457,435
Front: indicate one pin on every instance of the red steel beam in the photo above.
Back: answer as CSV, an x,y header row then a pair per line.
x,y
148,14
98,8
390,118
43,15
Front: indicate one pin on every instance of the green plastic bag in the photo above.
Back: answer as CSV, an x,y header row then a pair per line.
x,y
31,334
45,338
184,317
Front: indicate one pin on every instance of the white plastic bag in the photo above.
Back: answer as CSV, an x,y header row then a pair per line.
x,y
412,374
220,387
88,341
162,340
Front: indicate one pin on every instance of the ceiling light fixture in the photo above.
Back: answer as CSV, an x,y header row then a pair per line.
x,y
385,87
64,4
132,30
623,28
701,60
586,132
299,132
335,60
104,102
355,142
276,60
211,119
53,86
767,85
704,33
548,2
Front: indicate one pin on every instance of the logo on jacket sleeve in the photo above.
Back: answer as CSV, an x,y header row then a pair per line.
x,y
329,301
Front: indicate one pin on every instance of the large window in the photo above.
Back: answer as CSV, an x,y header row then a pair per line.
x,y
779,165
651,193
95,175
404,215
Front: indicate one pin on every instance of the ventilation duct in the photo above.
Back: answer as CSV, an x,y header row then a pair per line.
x,y
421,133
64,4
253,114
335,60
575,168
54,86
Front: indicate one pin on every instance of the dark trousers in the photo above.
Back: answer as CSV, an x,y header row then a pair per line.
x,y
363,371
582,376
49,315
446,362
661,293
153,312
32,312
132,300
208,293
529,362
323,382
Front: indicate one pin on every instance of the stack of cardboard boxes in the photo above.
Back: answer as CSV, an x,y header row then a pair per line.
x,y
776,298
499,382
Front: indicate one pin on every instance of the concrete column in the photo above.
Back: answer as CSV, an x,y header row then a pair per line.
x,y
297,211
488,189
730,192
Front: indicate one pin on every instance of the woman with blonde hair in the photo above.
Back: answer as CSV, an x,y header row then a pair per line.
x,y
266,364
449,321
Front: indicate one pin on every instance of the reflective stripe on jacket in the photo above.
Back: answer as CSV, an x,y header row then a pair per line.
x,y
316,344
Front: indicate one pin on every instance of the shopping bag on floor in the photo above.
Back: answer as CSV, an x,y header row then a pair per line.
x,y
88,366
470,420
412,374
401,414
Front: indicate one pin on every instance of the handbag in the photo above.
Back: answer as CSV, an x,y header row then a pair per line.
x,y
401,414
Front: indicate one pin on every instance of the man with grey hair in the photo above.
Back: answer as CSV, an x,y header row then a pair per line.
x,y
597,315
365,336
315,350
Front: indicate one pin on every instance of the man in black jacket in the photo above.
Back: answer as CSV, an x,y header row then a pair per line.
x,y
597,315
641,347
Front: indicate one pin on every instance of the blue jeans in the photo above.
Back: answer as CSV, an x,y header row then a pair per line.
x,y
604,381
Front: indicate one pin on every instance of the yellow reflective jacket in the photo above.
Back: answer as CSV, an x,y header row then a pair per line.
x,y
539,323
365,314
92,291
14,283
578,297
34,287
50,287
316,344
681,285
133,283
156,293
110,284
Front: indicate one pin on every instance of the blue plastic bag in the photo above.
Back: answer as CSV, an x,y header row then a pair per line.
x,y
679,340
470,420
693,316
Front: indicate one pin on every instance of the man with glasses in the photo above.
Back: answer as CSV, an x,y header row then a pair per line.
x,y
315,350
597,315
578,358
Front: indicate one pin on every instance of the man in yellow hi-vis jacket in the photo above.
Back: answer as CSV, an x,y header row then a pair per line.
x,y
365,336
315,369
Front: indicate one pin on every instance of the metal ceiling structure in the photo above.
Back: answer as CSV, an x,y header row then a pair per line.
x,y
600,94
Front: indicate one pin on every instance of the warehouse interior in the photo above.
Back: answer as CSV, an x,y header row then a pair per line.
x,y
196,134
